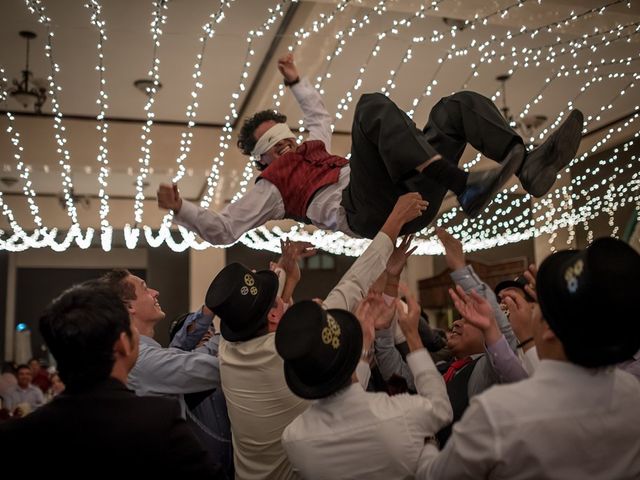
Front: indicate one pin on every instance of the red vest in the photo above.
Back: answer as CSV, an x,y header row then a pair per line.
x,y
300,174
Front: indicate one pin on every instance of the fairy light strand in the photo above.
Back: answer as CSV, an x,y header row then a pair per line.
x,y
35,7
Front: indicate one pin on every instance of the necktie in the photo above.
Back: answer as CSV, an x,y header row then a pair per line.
x,y
454,367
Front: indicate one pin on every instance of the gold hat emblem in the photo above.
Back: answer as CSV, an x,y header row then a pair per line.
x,y
571,275
331,333
249,281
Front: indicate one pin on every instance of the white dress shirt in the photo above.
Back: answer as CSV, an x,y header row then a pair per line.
x,y
263,201
259,402
355,434
565,422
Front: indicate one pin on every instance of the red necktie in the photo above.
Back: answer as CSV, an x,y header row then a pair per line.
x,y
454,367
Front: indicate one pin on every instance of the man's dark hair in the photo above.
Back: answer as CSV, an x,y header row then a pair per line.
x,y
246,139
23,366
80,328
116,281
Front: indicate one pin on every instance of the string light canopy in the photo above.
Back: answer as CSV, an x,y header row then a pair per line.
x,y
589,59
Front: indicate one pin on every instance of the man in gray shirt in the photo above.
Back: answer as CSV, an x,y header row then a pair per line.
x,y
24,395
169,371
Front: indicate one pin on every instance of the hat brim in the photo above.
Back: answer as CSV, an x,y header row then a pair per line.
x,y
549,284
352,332
507,284
269,291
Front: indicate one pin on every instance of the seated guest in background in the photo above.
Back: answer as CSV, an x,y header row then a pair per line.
x,y
40,375
97,424
57,387
576,417
8,380
260,403
347,432
168,371
23,397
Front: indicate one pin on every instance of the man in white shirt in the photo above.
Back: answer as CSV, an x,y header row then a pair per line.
x,y
259,402
347,432
576,417
389,156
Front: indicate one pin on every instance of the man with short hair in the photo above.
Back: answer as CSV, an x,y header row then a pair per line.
x,y
576,417
259,402
169,371
40,375
389,156
105,427
23,397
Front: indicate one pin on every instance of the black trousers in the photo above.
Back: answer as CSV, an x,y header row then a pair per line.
x,y
386,148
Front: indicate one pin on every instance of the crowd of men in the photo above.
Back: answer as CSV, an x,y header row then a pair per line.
x,y
538,378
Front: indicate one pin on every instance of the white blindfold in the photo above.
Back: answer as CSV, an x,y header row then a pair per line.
x,y
278,132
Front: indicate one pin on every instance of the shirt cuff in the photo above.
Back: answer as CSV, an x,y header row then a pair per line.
x,y
300,89
187,215
384,245
419,361
498,348
386,334
461,273
363,373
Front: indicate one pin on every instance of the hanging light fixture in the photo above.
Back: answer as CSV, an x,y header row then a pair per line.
x,y
529,124
29,96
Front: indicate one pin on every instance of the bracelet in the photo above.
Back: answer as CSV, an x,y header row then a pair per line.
x,y
366,355
292,82
524,342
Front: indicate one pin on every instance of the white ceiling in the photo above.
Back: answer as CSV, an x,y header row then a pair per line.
x,y
129,50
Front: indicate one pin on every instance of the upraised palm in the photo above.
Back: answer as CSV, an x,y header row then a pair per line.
x,y
473,307
399,256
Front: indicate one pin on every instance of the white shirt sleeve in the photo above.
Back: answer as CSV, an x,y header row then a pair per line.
x,y
471,452
354,284
316,118
430,386
260,204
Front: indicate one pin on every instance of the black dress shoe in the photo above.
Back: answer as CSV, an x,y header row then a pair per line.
x,y
482,186
541,165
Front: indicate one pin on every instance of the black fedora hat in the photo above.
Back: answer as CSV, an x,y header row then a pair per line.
x,y
519,282
588,298
321,348
242,299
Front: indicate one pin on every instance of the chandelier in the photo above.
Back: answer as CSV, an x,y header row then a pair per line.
x,y
26,94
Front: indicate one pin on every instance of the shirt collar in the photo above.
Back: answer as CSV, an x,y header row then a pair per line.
x,y
149,341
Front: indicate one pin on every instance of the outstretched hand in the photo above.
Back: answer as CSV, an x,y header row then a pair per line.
x,y
476,310
454,255
530,287
292,251
399,256
409,206
288,68
409,320
520,315
169,197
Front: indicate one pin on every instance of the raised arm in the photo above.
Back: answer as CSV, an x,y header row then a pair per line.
x,y
316,118
261,203
355,284
464,275
478,312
